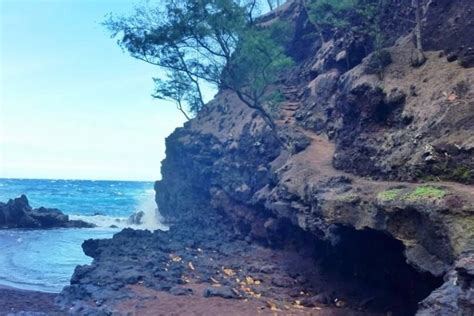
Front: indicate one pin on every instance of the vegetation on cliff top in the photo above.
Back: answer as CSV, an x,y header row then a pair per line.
x,y
364,19
223,43
206,42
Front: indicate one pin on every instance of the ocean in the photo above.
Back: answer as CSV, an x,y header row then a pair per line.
x,y
44,260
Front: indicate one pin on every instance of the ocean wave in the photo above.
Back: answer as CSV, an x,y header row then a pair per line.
x,y
104,221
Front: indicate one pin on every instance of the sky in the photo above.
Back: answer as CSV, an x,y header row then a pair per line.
x,y
73,104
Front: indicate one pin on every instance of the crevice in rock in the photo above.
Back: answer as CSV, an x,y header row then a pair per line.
x,y
376,261
365,269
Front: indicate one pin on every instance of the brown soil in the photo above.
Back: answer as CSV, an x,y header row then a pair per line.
x,y
156,303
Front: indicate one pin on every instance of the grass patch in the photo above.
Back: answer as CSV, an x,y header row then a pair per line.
x,y
389,195
425,192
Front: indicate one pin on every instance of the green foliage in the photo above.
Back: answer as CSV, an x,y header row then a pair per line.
x,y
389,195
425,192
196,42
363,18
257,61
330,13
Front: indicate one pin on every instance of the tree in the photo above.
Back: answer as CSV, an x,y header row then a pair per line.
x,y
328,14
216,42
176,89
418,58
361,18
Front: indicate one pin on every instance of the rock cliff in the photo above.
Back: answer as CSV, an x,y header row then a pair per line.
x,y
371,211
390,152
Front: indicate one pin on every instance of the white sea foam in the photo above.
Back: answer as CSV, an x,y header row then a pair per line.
x,y
101,220
151,220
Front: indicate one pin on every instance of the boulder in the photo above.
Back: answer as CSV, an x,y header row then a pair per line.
x,y
17,213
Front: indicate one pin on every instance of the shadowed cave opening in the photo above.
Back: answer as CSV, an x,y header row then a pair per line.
x,y
365,267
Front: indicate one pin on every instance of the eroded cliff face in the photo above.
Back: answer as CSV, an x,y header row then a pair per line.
x,y
389,153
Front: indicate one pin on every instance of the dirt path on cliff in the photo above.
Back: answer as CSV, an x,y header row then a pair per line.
x,y
316,162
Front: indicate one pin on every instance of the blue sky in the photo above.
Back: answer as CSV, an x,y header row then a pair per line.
x,y
73,105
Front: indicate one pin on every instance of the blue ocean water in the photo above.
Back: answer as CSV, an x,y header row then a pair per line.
x,y
45,259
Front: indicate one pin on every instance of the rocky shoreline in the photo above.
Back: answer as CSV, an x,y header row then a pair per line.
x,y
17,213
207,259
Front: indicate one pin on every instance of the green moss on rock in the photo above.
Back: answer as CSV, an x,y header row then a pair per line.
x,y
389,195
425,192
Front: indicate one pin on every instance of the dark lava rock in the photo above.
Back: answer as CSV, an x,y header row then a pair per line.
x,y
451,57
467,61
312,301
283,281
378,61
181,291
223,291
136,218
456,295
17,213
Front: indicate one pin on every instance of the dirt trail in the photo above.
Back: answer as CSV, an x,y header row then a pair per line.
x,y
318,156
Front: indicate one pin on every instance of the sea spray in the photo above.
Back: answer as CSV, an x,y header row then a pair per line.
x,y
145,215
151,219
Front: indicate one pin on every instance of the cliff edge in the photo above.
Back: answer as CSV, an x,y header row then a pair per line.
x,y
391,153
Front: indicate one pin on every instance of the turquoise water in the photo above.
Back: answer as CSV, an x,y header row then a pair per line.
x,y
45,259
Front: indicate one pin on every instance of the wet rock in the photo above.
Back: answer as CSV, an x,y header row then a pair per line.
x,y
136,218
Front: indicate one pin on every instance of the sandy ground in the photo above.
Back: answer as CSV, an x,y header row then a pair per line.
x,y
14,300
156,303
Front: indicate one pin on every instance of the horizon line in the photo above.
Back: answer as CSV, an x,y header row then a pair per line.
x,y
69,179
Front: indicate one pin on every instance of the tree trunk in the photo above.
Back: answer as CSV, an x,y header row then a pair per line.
x,y
318,29
180,108
418,58
270,123
266,118
418,24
